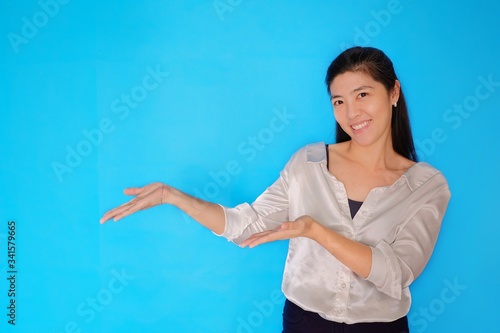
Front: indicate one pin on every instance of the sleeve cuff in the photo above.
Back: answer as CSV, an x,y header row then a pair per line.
x,y
237,220
225,223
385,272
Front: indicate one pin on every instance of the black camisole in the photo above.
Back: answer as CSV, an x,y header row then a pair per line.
x,y
354,206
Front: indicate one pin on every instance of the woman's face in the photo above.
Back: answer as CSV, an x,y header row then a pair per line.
x,y
363,107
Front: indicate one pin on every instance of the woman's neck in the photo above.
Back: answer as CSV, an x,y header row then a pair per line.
x,y
377,156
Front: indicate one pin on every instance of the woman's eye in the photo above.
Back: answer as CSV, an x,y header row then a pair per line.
x,y
363,94
337,103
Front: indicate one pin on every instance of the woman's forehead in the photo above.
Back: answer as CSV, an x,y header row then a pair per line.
x,y
350,81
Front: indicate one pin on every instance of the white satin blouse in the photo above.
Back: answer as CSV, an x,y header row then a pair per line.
x,y
400,223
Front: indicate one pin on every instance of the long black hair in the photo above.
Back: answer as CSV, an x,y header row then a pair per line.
x,y
375,63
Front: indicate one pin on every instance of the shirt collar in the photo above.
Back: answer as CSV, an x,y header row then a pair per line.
x,y
316,152
415,177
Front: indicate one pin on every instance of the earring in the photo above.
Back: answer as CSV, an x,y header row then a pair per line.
x,y
395,104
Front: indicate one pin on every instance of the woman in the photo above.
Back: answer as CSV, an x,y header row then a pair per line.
x,y
362,215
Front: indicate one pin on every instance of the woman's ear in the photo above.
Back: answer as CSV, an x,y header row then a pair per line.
x,y
395,92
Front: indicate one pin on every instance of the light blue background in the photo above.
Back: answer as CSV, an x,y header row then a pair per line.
x,y
230,70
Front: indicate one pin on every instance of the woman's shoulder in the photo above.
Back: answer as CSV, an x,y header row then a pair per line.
x,y
317,152
312,152
424,173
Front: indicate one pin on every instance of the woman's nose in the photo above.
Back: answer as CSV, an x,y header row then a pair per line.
x,y
352,111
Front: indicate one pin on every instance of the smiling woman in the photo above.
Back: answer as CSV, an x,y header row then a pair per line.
x,y
362,215
373,67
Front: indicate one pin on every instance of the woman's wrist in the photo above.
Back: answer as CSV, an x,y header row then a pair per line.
x,y
312,228
162,193
319,233
170,195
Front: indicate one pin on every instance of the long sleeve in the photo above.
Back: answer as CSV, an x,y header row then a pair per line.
x,y
267,212
396,265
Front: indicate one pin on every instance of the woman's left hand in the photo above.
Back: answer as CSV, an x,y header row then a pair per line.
x,y
301,227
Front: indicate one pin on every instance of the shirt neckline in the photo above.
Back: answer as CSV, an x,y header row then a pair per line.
x,y
317,153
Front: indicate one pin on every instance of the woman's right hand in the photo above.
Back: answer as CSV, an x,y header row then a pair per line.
x,y
208,214
145,197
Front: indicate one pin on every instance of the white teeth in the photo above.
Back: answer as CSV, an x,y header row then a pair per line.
x,y
360,126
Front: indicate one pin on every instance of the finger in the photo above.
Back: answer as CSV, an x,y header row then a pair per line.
x,y
133,190
261,234
111,214
108,215
281,233
255,236
261,238
129,203
125,209
130,209
103,220
118,210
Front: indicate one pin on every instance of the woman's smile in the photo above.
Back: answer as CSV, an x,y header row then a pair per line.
x,y
360,126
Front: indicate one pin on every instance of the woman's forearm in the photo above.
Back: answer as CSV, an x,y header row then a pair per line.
x,y
207,214
355,255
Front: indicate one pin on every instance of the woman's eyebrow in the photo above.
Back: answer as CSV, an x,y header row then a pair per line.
x,y
362,88
354,91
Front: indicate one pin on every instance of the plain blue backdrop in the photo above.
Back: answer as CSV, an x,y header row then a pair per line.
x,y
213,97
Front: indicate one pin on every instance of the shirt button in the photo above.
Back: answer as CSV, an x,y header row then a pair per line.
x,y
339,311
343,285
